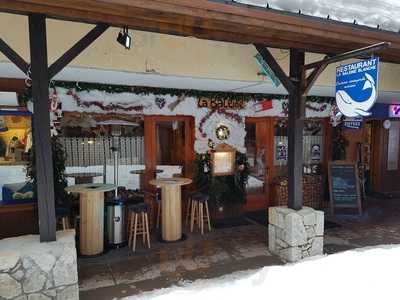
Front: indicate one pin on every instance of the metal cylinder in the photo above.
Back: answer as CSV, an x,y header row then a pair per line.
x,y
115,227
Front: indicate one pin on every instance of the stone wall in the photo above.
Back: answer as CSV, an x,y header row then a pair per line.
x,y
294,235
30,270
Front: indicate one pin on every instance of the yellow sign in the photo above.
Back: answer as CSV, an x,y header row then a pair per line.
x,y
220,103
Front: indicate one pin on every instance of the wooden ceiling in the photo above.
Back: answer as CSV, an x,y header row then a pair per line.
x,y
216,20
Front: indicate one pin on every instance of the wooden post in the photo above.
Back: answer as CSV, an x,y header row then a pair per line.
x,y
41,127
295,131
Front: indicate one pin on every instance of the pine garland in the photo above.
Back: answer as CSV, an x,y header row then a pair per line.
x,y
141,90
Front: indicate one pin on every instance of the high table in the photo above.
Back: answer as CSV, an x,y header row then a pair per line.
x,y
91,198
83,177
141,173
171,207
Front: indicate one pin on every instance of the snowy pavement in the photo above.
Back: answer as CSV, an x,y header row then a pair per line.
x,y
367,273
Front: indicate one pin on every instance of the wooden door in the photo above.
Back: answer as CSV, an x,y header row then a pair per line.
x,y
259,144
386,157
179,144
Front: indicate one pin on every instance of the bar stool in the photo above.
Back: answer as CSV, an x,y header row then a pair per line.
x,y
62,216
189,207
199,211
139,224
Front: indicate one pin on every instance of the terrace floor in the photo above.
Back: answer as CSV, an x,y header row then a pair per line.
x,y
121,272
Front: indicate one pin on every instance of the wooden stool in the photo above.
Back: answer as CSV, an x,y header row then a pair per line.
x,y
199,211
139,224
62,216
189,207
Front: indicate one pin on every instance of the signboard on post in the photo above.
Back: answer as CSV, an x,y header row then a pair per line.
x,y
344,186
357,87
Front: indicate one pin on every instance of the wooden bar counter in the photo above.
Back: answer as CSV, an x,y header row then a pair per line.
x,y
91,198
171,207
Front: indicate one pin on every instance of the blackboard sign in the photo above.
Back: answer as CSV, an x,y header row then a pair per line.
x,y
344,186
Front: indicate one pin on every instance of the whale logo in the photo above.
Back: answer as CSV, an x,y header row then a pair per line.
x,y
352,108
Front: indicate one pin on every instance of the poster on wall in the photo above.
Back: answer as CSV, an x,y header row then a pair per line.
x,y
281,151
316,152
357,87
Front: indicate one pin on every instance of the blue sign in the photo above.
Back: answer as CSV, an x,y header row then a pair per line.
x,y
266,70
357,87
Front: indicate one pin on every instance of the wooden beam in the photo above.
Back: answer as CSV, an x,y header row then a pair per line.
x,y
186,18
348,55
310,80
12,85
41,128
276,68
13,56
295,131
77,49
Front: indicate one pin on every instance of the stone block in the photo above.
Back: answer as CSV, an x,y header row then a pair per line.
x,y
65,270
295,232
294,235
271,238
38,296
44,261
9,287
291,254
317,247
34,279
8,261
68,293
319,223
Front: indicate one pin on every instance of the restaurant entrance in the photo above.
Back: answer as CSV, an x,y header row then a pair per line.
x,y
384,139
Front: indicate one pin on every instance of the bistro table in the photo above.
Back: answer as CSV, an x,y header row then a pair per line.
x,y
141,173
91,198
83,177
171,206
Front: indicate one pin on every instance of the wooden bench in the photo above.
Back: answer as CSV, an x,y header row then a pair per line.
x,y
18,219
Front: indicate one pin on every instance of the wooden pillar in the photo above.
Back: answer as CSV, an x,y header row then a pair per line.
x,y
295,131
41,127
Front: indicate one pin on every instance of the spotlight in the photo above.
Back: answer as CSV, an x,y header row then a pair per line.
x,y
124,38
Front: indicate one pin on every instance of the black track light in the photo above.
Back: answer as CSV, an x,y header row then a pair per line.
x,y
124,38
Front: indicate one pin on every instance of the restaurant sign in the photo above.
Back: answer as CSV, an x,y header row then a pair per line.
x,y
221,103
357,87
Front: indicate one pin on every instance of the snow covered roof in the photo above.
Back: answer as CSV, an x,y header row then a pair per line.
x,y
371,13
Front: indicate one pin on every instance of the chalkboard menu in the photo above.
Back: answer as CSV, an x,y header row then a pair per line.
x,y
344,186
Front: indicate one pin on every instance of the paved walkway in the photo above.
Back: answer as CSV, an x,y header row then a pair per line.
x,y
121,273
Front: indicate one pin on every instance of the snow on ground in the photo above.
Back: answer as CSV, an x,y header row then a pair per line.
x,y
385,13
368,273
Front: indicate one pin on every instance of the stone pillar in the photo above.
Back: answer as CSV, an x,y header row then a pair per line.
x,y
30,270
295,234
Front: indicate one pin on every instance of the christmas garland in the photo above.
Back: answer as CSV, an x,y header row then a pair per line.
x,y
99,104
140,90
221,189
233,116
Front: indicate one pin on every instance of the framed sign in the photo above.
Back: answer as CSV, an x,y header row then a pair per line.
x,y
357,87
344,186
223,160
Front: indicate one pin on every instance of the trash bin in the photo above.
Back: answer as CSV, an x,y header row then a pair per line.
x,y
115,223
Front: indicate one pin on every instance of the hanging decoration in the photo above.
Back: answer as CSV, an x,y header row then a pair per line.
x,y
230,115
222,132
160,102
108,107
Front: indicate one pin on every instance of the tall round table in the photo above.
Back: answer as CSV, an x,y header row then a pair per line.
x,y
91,199
83,177
171,207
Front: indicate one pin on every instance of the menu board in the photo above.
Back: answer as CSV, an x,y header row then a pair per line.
x,y
344,186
